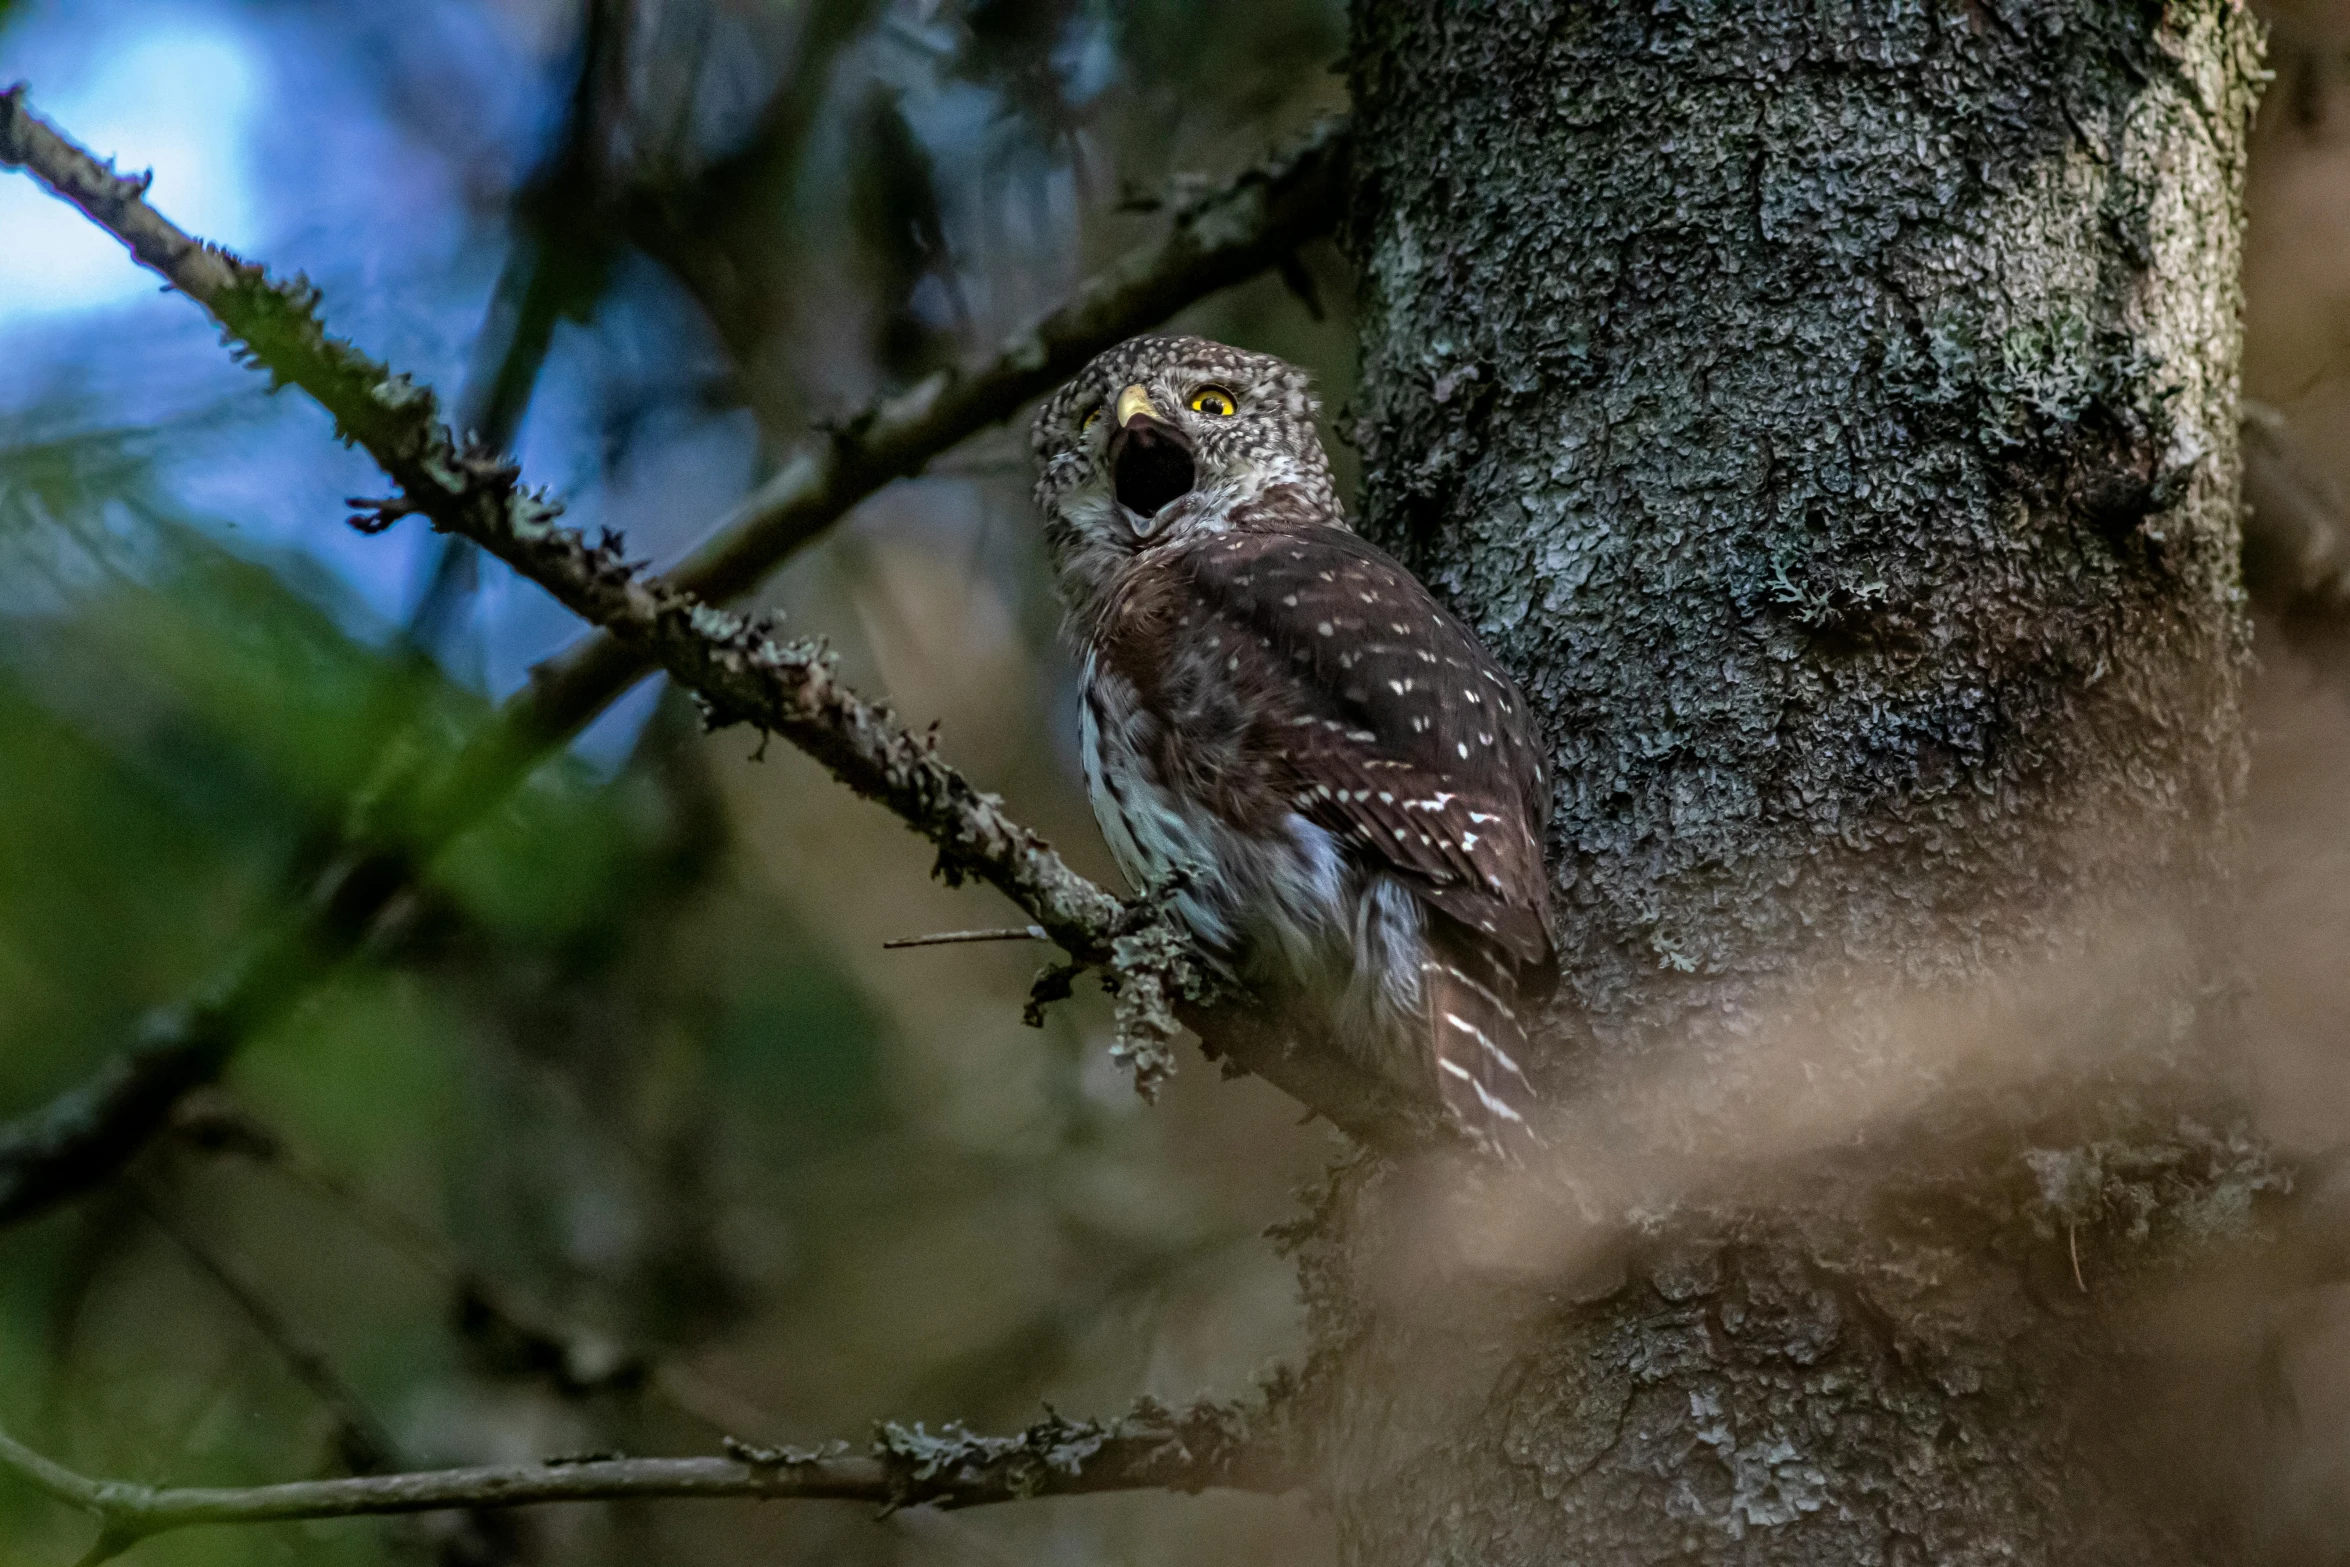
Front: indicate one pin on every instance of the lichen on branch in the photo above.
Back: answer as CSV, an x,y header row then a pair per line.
x,y
1229,1445
735,667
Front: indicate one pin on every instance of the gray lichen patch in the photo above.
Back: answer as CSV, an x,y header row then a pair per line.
x,y
2197,1184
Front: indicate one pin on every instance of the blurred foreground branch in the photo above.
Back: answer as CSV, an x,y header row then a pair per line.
x,y
742,674
1208,1445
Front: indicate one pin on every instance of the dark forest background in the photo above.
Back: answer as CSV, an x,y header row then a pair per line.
x,y
629,1132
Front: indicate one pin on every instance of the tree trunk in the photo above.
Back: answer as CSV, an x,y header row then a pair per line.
x,y
1828,410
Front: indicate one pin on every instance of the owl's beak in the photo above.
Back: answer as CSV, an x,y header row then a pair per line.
x,y
1135,403
1150,459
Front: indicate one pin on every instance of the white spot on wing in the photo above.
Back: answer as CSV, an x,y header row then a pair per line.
x,y
1471,1029
1495,1106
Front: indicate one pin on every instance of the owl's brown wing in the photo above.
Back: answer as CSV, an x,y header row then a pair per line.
x,y
1302,668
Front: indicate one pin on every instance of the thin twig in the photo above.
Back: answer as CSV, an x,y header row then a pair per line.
x,y
948,938
84,1136
686,224
576,1360
361,1440
1208,1445
558,263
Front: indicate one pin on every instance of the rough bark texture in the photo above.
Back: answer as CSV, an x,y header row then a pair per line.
x,y
1828,409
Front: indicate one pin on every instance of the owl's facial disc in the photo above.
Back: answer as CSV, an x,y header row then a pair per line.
x,y
1150,460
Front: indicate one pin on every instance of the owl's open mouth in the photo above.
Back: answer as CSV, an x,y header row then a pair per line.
x,y
1150,465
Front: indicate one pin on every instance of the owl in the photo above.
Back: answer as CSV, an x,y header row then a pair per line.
x,y
1344,793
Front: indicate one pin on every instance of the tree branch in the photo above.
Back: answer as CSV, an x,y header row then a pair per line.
x,y
1206,1446
685,221
742,674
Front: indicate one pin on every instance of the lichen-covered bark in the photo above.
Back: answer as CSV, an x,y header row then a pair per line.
x,y
1827,409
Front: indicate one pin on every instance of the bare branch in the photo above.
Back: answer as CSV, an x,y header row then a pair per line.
x,y
1206,1446
675,217
558,263
84,1136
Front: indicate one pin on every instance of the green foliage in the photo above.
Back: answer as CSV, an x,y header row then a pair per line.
x,y
182,727
798,1039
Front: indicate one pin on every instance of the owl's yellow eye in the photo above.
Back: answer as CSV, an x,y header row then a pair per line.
x,y
1093,416
1215,402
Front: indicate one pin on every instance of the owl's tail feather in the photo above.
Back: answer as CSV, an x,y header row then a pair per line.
x,y
1477,1042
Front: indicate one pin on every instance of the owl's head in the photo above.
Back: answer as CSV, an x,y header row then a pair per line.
x,y
1164,437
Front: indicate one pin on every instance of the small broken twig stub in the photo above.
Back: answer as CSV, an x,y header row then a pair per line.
x,y
955,938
